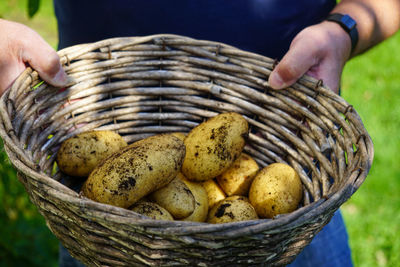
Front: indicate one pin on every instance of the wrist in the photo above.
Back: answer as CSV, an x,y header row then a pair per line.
x,y
348,24
339,38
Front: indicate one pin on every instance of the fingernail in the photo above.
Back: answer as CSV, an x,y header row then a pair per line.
x,y
275,81
60,79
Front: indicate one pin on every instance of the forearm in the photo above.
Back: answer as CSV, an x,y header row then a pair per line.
x,y
376,20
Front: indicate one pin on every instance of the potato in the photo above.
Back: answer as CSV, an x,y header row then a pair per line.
x,y
214,192
200,195
80,154
176,198
137,170
236,180
276,189
213,146
232,209
180,135
152,210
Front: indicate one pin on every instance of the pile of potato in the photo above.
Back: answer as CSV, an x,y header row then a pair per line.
x,y
203,176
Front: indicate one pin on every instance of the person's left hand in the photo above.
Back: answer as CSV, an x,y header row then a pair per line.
x,y
320,51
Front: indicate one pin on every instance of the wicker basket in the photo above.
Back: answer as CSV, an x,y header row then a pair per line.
x,y
142,86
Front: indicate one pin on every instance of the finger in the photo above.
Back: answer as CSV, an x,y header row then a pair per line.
x,y
42,58
9,74
297,61
329,72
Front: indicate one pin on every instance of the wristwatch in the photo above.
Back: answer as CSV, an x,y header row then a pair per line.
x,y
348,24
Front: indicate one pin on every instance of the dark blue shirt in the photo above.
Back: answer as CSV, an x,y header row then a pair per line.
x,y
262,26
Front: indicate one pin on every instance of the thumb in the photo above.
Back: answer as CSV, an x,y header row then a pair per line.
x,y
297,61
44,59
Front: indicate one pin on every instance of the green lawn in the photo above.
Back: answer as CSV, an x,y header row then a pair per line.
x,y
371,83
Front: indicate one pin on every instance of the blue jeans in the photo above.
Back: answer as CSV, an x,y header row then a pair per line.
x,y
329,248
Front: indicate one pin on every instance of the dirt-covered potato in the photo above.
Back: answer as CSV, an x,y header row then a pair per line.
x,y
236,180
80,154
152,210
201,200
137,170
232,209
180,135
176,198
213,146
276,189
214,192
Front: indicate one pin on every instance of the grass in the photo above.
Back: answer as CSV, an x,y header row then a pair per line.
x,y
370,83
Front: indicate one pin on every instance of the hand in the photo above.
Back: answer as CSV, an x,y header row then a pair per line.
x,y
20,47
320,51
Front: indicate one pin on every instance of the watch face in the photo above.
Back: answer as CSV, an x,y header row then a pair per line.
x,y
348,21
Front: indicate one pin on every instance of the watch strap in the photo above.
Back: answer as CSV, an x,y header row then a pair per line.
x,y
348,24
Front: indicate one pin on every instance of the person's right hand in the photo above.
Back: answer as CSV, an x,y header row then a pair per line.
x,y
20,47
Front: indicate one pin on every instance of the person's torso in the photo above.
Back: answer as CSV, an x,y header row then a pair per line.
x,y
261,26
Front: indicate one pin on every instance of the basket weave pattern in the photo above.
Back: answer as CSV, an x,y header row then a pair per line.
x,y
142,86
